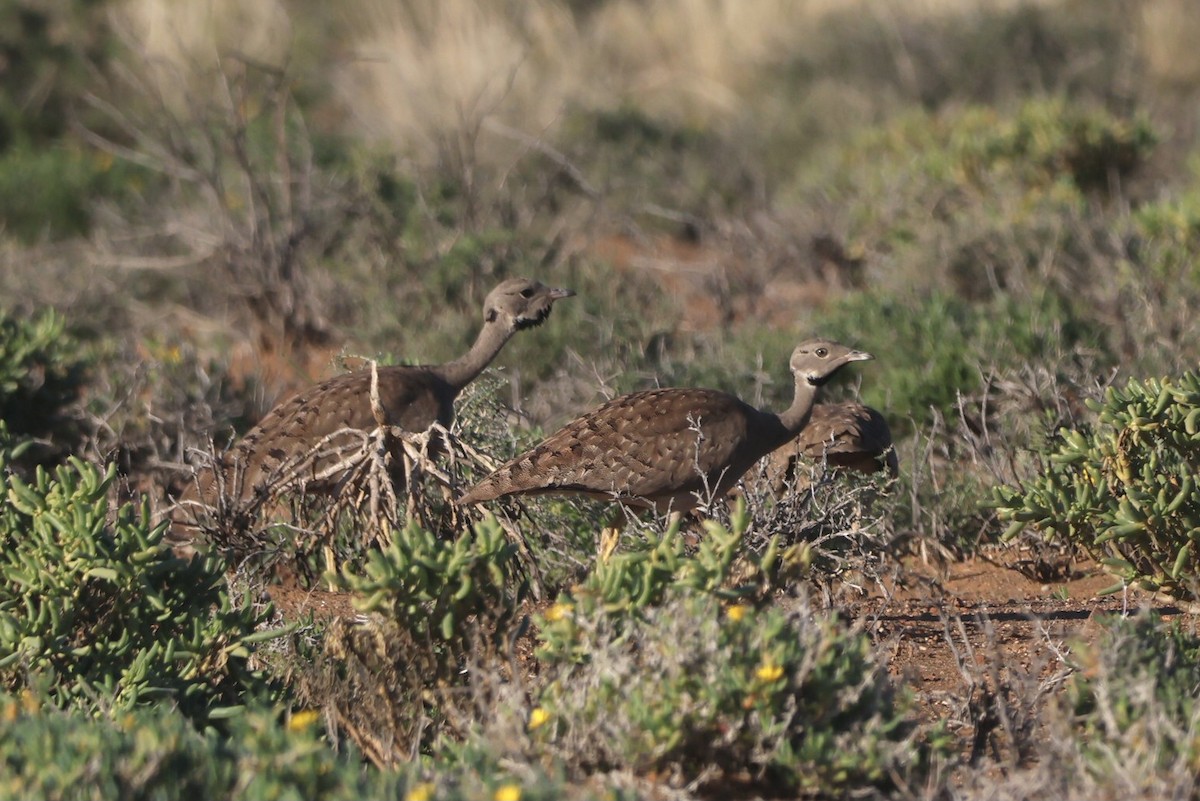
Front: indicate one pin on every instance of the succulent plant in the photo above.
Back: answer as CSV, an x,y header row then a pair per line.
x,y
1125,489
97,611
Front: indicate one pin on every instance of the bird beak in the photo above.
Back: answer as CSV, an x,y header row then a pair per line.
x,y
557,294
858,356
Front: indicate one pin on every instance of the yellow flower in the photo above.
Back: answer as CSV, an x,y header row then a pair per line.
x,y
736,612
507,792
558,612
538,717
420,792
302,720
768,672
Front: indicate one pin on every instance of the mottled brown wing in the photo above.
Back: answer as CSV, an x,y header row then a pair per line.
x,y
643,445
842,427
844,434
412,398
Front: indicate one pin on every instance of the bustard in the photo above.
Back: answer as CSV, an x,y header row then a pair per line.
x,y
844,436
665,449
411,398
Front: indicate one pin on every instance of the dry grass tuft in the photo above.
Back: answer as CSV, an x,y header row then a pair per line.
x,y
185,41
1168,33
429,76
428,73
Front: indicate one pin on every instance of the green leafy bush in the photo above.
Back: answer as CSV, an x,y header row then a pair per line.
x,y
97,613
52,54
1048,141
482,768
1126,489
46,192
1043,145
1134,706
42,370
432,587
703,689
660,661
435,612
982,200
625,585
1167,237
933,347
157,754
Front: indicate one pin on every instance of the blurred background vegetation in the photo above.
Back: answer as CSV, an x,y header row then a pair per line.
x,y
221,201
266,186
206,204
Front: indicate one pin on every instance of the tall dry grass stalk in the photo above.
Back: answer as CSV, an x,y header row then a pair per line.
x,y
181,44
1170,30
427,69
439,78
427,74
691,59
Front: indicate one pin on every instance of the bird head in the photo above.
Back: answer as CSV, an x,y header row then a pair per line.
x,y
818,359
520,303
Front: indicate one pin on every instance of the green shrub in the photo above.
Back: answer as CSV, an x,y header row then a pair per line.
x,y
46,192
1167,238
432,587
1049,141
660,661
435,613
157,754
931,348
1134,704
1043,145
97,613
982,200
482,768
42,370
630,581
1125,489
703,689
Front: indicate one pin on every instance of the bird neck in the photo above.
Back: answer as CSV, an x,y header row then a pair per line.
x,y
467,367
797,415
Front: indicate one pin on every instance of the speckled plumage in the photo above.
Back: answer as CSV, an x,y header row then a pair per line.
x,y
411,398
848,436
665,448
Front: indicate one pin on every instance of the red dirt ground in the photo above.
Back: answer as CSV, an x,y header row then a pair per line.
x,y
983,622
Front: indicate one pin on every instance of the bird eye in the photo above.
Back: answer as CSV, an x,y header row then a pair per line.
x,y
527,292
822,352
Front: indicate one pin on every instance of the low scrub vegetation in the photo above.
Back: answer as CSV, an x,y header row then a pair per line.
x,y
678,663
42,374
1125,489
96,613
204,209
